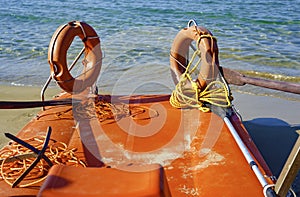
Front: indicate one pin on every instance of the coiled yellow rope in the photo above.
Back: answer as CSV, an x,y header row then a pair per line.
x,y
192,97
188,94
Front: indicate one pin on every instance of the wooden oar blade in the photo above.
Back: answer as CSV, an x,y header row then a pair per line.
x,y
275,85
232,76
235,78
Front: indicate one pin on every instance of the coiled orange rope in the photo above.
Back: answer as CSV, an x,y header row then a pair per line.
x,y
106,111
15,159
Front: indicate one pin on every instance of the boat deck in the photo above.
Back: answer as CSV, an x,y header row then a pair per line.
x,y
196,151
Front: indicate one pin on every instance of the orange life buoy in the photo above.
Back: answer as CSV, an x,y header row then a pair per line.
x,y
209,53
57,56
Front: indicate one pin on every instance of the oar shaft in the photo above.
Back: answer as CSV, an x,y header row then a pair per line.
x,y
236,78
276,85
32,104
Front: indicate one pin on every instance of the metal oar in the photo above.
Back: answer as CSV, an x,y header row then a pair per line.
x,y
32,104
236,78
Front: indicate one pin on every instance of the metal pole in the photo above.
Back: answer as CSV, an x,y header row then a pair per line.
x,y
50,77
249,158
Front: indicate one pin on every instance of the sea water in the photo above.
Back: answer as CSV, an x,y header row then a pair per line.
x,y
136,37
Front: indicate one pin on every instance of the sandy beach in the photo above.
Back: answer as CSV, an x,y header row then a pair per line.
x,y
13,120
272,122
251,107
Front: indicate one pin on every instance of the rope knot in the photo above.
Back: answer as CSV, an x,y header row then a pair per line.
x,y
189,94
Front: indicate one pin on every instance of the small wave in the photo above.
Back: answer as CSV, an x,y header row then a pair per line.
x,y
272,76
21,84
258,91
18,84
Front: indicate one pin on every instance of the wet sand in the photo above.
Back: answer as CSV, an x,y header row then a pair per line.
x,y
251,107
272,122
12,120
274,125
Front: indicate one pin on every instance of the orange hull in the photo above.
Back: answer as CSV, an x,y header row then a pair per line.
x,y
194,152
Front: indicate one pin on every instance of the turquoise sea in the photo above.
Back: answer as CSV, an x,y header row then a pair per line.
x,y
261,36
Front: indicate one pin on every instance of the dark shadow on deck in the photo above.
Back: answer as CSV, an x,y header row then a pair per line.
x,y
275,139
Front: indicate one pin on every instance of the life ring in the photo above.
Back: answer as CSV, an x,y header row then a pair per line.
x,y
57,56
209,53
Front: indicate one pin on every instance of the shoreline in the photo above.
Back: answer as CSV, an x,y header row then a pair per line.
x,y
254,108
249,106
13,120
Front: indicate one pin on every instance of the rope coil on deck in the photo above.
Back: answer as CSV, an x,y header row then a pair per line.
x,y
109,112
15,159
